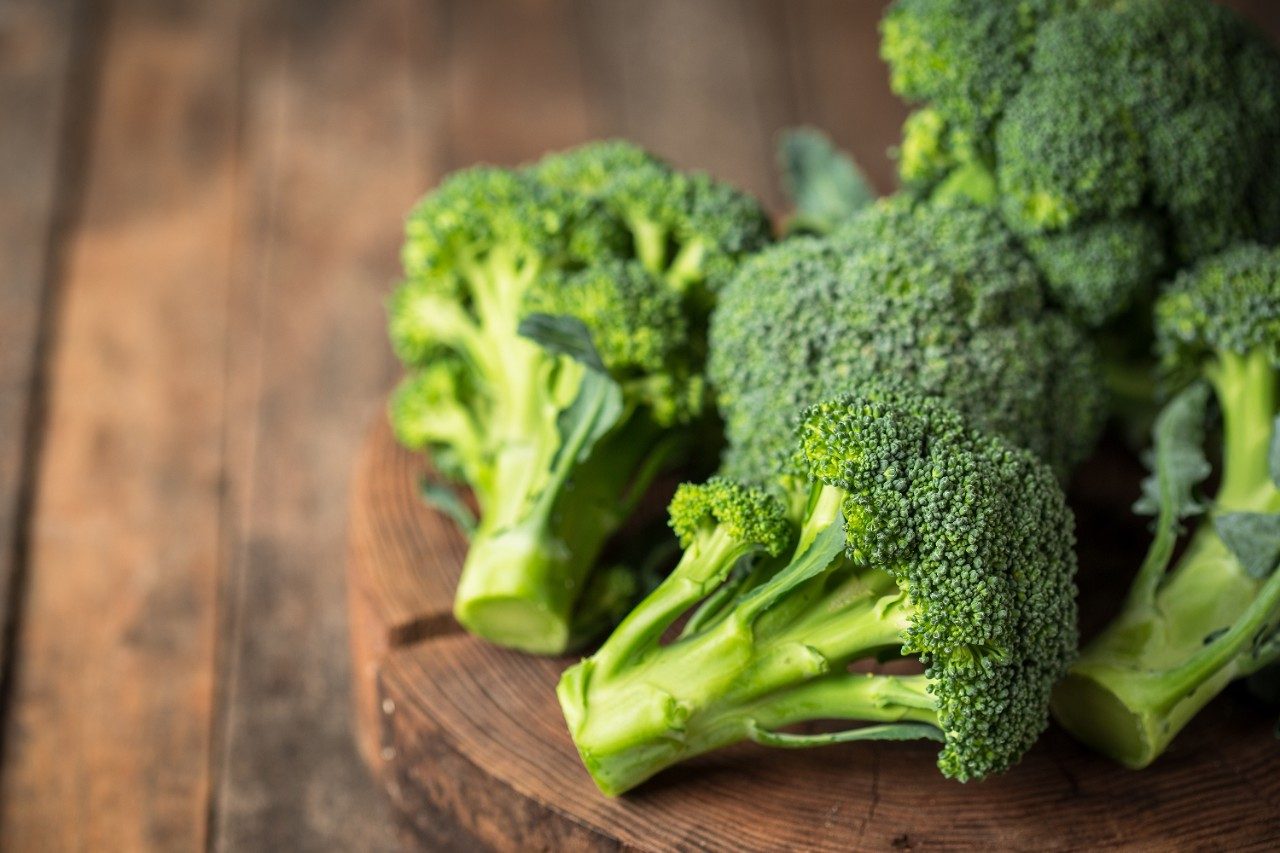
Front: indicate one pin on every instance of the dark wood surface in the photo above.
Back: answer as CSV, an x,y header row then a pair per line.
x,y
200,211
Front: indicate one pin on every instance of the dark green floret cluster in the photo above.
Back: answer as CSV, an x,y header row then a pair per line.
x,y
939,294
1119,139
911,536
1192,626
552,320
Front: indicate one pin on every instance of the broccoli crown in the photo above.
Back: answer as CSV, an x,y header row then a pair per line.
x,y
1198,618
1156,111
1229,302
978,535
553,322
688,227
919,536
746,514
939,294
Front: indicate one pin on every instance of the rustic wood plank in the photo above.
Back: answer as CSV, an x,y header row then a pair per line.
x,y
479,758
695,82
334,155
107,736
36,57
516,87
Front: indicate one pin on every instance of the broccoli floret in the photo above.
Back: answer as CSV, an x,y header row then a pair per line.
x,y
689,228
555,362
909,535
1189,629
939,294
1069,116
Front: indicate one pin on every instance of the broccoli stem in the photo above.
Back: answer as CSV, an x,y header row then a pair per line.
x,y
1149,674
522,576
531,560
1167,654
1247,393
774,659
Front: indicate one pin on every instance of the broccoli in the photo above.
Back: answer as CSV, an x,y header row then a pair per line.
x,y
1186,631
936,293
552,320
903,533
1119,140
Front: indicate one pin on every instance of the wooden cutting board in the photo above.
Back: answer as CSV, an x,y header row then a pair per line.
x,y
468,739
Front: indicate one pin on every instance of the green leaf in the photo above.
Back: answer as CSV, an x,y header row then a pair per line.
x,y
1254,539
828,545
1273,458
1177,461
446,499
562,335
825,185
598,407
1178,465
885,731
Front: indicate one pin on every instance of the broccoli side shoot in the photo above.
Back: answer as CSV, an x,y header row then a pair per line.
x,y
939,294
555,364
909,535
1188,629
1121,140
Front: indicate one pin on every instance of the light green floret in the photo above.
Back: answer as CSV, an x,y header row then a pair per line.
x,y
687,227
555,367
1213,616
917,538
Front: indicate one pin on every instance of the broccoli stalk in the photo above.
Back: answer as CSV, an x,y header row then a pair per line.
x,y
917,538
553,323
1186,632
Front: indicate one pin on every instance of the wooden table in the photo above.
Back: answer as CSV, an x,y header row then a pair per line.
x,y
200,208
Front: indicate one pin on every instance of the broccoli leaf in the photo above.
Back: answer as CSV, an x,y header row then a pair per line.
x,y
1177,461
562,335
445,498
830,543
825,185
1273,458
1254,538
598,406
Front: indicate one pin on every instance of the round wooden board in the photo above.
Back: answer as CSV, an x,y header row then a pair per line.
x,y
469,741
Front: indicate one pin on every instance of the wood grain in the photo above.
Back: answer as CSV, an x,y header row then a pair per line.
x,y
331,135
477,756
687,80
36,58
107,738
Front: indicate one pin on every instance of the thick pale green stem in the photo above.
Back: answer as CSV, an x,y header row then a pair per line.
x,y
703,567
1144,678
637,707
651,244
1247,393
